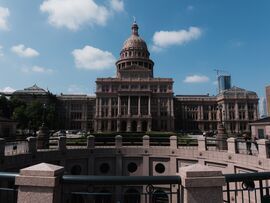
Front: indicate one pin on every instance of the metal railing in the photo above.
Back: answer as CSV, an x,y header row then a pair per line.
x,y
214,144
187,142
128,189
8,189
247,187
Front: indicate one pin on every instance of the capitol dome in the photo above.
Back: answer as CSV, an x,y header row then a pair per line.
x,y
134,41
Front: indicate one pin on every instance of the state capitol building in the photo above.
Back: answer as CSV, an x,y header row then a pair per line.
x,y
137,101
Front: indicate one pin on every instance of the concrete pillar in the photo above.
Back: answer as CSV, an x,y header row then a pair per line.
x,y
146,141
139,106
118,125
96,107
139,126
39,183
110,107
202,143
149,125
118,141
128,125
263,145
32,144
129,105
173,142
232,148
62,143
2,146
149,106
91,142
202,184
119,106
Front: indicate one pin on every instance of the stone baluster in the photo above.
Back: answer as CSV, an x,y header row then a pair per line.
x,y
62,143
263,146
118,141
40,183
202,184
202,143
173,142
91,142
146,141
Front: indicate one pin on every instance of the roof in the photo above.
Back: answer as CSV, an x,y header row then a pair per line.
x,y
236,90
32,90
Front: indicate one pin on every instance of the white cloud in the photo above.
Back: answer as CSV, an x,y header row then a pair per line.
x,y
23,51
36,69
196,79
92,58
117,5
4,14
1,52
163,39
74,13
7,89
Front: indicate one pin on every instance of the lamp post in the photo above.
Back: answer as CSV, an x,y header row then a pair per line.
x,y
43,133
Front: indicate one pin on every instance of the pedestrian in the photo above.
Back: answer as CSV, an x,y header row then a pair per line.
x,y
255,143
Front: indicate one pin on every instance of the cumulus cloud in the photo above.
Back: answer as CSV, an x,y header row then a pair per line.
x,y
72,14
92,58
23,51
117,5
1,52
37,69
7,89
4,14
196,79
163,39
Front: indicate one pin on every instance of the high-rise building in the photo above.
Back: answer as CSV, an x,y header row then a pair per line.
x,y
224,82
268,99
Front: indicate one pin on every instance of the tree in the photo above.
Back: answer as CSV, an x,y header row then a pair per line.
x,y
5,107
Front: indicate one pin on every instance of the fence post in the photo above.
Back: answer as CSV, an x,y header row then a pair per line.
x,y
263,145
2,146
32,144
146,141
232,148
62,143
118,141
202,143
202,184
39,183
91,142
173,142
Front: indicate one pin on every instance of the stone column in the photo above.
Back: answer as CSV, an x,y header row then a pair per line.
x,y
246,112
91,142
149,125
263,145
100,107
149,106
110,107
62,143
139,126
172,109
119,106
32,144
39,183
139,105
232,148
2,146
202,184
202,143
118,141
128,125
236,111
128,105
96,107
173,142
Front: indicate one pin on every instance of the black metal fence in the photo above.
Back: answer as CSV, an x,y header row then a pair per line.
x,y
247,187
8,189
128,189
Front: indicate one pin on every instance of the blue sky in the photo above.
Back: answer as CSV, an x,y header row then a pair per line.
x,y
64,45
